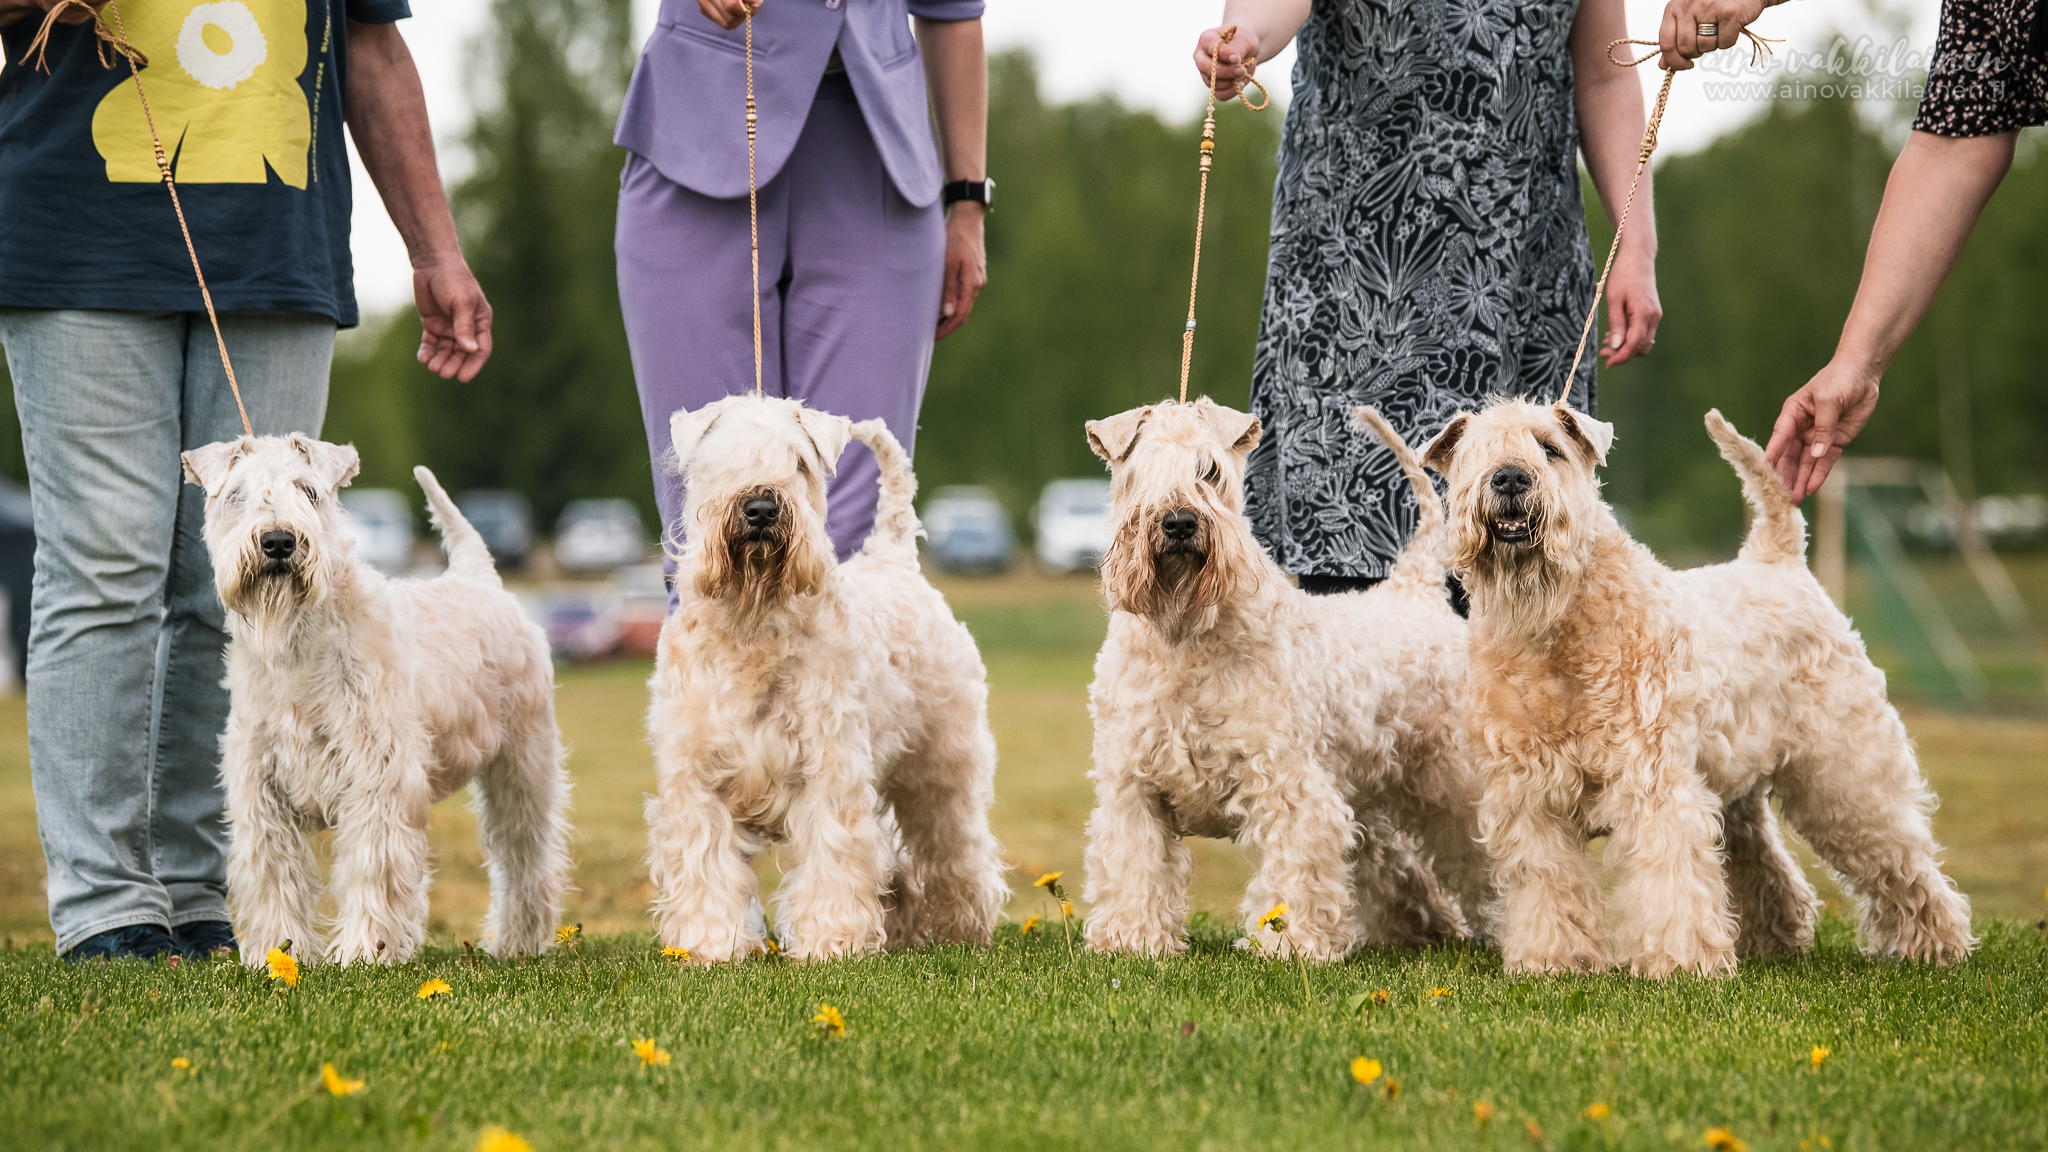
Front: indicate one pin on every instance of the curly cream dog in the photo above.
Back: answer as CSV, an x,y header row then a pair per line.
x,y
1612,694
1319,731
837,709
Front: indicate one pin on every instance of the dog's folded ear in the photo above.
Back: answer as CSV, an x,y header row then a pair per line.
x,y
828,434
1240,430
685,428
1438,452
1111,438
334,464
1597,436
208,466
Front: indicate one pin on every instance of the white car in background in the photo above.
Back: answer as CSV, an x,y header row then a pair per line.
x,y
599,535
380,522
1072,518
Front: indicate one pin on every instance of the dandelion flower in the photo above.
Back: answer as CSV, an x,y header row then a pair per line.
x,y
282,967
1596,1111
335,1085
1820,1055
682,954
1030,926
649,1055
1067,909
1393,1087
567,932
1724,1140
181,1064
771,947
1048,880
1444,991
496,1139
1275,919
1365,1071
829,1021
433,988
1482,1111
1534,1130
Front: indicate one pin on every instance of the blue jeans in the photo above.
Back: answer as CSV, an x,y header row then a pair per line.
x,y
125,703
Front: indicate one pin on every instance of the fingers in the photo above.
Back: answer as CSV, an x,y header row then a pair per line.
x,y
1676,39
1788,441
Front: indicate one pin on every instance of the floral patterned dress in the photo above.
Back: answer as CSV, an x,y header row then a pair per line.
x,y
1428,252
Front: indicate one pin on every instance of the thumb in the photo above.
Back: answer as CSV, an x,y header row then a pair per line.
x,y
465,321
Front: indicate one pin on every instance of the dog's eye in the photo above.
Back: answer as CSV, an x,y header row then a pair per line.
x,y
312,493
1211,473
1551,451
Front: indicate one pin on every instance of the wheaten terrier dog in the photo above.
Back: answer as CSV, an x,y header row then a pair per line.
x,y
1612,695
1320,731
837,709
358,702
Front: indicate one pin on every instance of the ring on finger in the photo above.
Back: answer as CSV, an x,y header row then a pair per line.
x,y
1708,30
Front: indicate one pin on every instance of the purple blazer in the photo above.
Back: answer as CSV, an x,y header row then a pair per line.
x,y
686,109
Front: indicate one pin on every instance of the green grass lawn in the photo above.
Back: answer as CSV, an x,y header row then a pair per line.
x,y
1026,1045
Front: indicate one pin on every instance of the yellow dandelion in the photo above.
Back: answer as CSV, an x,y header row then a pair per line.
x,y
649,1055
1534,1130
568,932
1724,1140
1393,1087
1596,1111
496,1139
1820,1055
1275,919
1381,996
282,967
1365,1071
1445,991
433,988
771,947
181,1064
829,1021
682,954
1067,909
1048,880
1030,926
335,1085
1482,1111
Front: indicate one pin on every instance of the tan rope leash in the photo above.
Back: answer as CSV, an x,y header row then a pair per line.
x,y
1187,339
1759,47
118,39
753,199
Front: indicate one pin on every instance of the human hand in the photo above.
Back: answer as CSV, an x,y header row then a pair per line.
x,y
728,14
1679,38
1817,423
77,12
1234,62
455,319
966,266
1633,310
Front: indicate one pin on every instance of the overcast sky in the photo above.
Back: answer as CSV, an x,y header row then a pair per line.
x,y
1140,50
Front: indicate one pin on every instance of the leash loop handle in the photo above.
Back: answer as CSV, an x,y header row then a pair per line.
x,y
1208,153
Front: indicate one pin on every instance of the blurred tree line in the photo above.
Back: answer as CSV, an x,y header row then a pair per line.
x,y
1762,237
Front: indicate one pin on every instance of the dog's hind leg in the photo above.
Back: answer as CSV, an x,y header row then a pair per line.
x,y
272,877
380,870
1396,898
1859,799
520,799
1774,904
940,795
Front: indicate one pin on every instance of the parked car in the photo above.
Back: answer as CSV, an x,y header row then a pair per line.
x,y
1072,521
595,535
581,623
968,529
642,599
380,522
504,519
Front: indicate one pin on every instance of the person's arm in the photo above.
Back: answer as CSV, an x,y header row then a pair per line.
x,y
1938,187
387,116
956,71
1264,28
1679,40
1609,102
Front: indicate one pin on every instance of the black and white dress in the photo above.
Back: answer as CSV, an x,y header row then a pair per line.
x,y
1428,251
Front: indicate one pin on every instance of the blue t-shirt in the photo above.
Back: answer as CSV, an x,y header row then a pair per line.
x,y
249,98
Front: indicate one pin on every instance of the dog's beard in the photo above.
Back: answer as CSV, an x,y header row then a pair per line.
x,y
1176,584
266,590
1519,558
755,569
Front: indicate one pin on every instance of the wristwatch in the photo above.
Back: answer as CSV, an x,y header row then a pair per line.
x,y
982,192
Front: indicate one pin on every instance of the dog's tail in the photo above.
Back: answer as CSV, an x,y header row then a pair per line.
x,y
468,555
1778,534
1422,562
896,524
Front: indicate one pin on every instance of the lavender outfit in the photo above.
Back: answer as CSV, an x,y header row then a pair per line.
x,y
852,235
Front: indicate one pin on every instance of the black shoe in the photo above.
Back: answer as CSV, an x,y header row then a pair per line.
x,y
133,941
203,939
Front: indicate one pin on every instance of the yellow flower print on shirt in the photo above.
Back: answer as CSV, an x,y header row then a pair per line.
x,y
223,82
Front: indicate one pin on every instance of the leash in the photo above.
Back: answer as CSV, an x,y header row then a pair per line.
x,y
1187,339
753,197
1759,47
117,39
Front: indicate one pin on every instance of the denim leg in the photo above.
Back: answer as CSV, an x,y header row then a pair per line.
x,y
283,360
103,404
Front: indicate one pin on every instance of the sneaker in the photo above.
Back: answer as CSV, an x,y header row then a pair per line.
x,y
204,939
132,941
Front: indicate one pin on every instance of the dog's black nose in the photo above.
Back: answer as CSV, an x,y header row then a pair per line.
x,y
760,512
1179,524
1510,481
278,544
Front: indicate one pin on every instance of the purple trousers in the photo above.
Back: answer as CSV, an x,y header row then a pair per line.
x,y
850,278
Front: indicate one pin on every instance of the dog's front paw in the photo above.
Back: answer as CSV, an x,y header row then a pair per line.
x,y
1698,962
1578,961
1133,941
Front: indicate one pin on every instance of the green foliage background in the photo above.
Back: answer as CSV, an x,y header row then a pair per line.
x,y
1762,239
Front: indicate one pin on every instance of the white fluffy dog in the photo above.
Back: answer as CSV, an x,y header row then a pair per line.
x,y
357,702
838,709
1321,731
1612,694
